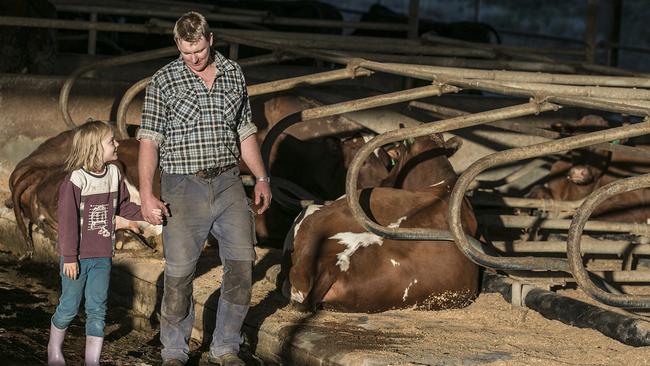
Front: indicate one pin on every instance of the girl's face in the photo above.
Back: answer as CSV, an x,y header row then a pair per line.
x,y
110,148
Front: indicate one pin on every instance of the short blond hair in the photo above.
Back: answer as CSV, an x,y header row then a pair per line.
x,y
190,27
87,151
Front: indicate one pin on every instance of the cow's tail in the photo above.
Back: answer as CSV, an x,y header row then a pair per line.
x,y
18,185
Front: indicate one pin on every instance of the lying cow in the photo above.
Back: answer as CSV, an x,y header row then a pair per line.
x,y
590,169
338,264
35,182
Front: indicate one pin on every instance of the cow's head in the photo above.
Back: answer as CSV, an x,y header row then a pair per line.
x,y
588,165
422,161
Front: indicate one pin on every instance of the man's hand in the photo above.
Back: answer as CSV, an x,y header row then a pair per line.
x,y
153,209
71,270
262,196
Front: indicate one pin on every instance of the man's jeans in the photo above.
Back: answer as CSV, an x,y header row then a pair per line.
x,y
93,280
199,207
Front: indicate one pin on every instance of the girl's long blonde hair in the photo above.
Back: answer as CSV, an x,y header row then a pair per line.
x,y
87,150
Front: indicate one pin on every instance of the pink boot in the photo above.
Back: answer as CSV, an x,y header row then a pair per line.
x,y
93,350
54,352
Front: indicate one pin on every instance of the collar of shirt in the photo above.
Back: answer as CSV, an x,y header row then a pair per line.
x,y
222,64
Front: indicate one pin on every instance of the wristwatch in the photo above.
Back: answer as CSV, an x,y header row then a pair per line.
x,y
263,179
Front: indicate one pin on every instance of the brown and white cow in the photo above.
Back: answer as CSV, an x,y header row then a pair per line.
x,y
590,169
35,182
336,263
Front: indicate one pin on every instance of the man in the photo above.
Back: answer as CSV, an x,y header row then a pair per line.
x,y
197,118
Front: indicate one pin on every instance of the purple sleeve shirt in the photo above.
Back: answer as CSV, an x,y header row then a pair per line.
x,y
88,204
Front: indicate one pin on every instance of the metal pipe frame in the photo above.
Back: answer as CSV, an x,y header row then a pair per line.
x,y
426,129
526,222
589,245
266,18
486,199
509,50
378,101
527,152
284,40
306,80
573,243
531,77
621,106
519,125
464,62
115,61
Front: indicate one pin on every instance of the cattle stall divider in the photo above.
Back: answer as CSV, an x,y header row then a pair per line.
x,y
573,243
568,143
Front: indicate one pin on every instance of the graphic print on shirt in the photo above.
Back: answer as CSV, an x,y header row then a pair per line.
x,y
98,219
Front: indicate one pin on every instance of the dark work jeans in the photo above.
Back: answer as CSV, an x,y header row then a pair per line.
x,y
198,207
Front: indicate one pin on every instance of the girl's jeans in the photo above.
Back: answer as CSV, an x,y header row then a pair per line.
x,y
92,282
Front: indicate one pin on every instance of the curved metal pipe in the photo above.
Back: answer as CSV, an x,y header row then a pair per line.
x,y
115,61
527,152
422,130
573,243
267,145
125,102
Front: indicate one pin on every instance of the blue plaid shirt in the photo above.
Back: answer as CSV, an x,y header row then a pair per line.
x,y
196,128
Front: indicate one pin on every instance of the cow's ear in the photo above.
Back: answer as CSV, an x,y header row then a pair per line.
x,y
453,144
394,151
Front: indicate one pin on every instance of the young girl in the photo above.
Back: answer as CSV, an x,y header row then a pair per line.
x,y
90,196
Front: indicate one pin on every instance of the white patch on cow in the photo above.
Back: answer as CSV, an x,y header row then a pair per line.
x,y
394,262
297,296
133,192
353,241
406,290
367,137
395,225
437,184
149,230
308,211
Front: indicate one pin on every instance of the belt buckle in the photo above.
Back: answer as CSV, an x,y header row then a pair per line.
x,y
212,172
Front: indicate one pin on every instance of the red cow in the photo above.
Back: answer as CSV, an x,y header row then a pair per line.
x,y
591,169
338,264
35,182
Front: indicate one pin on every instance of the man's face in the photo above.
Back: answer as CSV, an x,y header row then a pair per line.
x,y
195,55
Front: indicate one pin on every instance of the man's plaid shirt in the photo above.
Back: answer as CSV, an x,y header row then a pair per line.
x,y
194,127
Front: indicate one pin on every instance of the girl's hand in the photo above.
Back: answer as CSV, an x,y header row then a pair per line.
x,y
71,270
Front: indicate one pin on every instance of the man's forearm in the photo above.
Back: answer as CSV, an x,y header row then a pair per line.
x,y
147,164
250,154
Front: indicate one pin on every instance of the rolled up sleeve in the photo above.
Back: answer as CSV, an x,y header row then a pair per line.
x,y
245,127
153,115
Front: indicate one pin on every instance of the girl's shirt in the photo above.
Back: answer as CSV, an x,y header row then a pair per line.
x,y
88,203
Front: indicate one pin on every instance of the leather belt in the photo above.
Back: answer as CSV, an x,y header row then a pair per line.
x,y
214,171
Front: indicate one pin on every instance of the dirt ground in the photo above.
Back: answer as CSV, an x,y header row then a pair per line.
x,y
28,296
488,332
